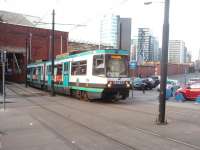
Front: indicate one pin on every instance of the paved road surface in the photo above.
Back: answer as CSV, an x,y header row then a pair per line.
x,y
35,121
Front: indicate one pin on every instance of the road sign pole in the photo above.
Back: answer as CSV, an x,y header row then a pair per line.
x,y
3,78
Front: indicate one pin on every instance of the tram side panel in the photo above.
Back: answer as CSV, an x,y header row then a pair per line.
x,y
82,79
35,75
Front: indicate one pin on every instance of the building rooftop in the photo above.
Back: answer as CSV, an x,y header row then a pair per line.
x,y
18,19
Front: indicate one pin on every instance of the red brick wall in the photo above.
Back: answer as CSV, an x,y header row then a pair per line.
x,y
14,36
174,69
146,71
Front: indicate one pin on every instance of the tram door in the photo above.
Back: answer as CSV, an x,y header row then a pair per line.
x,y
39,73
49,75
65,74
31,74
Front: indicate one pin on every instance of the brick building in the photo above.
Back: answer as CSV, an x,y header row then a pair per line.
x,y
154,69
13,39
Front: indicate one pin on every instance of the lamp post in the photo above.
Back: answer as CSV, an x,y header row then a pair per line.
x,y
163,63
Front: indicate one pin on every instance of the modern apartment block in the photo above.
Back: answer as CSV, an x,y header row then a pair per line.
x,y
177,52
116,32
148,46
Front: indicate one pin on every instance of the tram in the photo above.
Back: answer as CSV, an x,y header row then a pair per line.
x,y
85,75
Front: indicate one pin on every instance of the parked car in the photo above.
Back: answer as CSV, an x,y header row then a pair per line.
x,y
189,92
154,80
140,83
150,83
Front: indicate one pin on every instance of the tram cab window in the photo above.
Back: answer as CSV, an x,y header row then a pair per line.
x,y
116,66
98,65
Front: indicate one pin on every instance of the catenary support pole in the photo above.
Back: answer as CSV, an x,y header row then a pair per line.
x,y
164,64
26,59
52,55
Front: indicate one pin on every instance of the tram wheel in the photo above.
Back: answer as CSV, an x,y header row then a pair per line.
x,y
78,94
84,96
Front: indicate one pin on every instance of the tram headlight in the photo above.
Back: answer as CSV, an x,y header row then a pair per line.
x,y
109,84
128,85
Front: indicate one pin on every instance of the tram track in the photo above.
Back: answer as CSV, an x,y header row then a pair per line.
x,y
76,122
149,132
116,107
125,109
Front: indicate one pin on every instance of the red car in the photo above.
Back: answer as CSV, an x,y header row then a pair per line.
x,y
190,92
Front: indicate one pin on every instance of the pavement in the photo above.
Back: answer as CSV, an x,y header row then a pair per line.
x,y
33,120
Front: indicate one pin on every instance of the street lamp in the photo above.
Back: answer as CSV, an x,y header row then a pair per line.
x,y
163,63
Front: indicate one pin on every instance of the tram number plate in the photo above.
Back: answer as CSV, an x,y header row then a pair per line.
x,y
118,82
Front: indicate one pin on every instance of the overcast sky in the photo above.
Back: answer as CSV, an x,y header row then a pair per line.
x,y
184,16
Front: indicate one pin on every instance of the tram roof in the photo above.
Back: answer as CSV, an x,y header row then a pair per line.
x,y
103,51
89,52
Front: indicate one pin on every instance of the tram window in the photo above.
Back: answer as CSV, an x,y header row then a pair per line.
x,y
28,71
75,68
41,70
79,68
58,69
65,67
34,71
83,68
49,69
98,65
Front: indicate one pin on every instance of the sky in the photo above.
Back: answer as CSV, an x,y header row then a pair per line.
x,y
184,17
